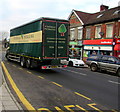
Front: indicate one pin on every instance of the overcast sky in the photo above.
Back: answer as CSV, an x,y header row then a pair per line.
x,y
17,12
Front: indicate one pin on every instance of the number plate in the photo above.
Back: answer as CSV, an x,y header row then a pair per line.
x,y
54,67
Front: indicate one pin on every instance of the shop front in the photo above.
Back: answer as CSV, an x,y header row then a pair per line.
x,y
102,46
75,49
117,47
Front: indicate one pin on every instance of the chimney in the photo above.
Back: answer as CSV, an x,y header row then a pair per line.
x,y
103,7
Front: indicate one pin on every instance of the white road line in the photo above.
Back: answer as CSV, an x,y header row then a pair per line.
x,y
113,82
74,72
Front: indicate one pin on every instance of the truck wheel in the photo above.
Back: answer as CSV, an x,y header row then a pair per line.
x,y
22,61
93,67
70,64
118,72
28,63
7,57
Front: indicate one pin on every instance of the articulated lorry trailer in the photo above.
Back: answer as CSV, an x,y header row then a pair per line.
x,y
41,43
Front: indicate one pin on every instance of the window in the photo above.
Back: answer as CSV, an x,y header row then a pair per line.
x,y
79,33
111,59
104,58
88,31
116,12
99,15
109,30
72,34
97,31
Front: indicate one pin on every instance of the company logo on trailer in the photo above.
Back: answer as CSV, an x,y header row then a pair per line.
x,y
62,29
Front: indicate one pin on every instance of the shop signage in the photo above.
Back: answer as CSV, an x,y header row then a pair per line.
x,y
107,48
73,43
98,42
117,41
80,43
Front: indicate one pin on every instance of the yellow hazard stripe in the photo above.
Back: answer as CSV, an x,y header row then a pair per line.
x,y
18,92
82,96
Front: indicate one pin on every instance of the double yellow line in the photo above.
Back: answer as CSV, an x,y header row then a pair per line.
x,y
18,92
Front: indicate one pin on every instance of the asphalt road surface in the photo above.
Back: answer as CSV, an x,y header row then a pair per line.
x,y
67,88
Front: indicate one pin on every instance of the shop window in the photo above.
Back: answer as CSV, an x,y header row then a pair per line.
x,y
109,30
88,31
72,34
79,33
97,32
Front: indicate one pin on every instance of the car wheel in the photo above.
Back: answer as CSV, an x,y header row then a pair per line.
x,y
70,63
93,67
118,72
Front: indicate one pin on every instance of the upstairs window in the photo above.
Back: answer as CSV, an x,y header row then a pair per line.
x,y
97,32
88,32
99,15
109,31
116,12
72,34
80,31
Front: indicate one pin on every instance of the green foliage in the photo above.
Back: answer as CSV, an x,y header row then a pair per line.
x,y
62,29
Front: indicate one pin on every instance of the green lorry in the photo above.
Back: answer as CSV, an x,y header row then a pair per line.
x,y
41,43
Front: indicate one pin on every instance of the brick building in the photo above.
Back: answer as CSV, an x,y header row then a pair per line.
x,y
77,21
102,32
95,33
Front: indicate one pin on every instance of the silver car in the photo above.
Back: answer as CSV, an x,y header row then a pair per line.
x,y
104,62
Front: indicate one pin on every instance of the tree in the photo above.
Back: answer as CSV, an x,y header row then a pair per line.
x,y
62,29
4,38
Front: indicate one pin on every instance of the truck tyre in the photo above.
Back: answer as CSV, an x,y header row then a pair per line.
x,y
28,63
93,67
22,61
118,72
7,56
70,64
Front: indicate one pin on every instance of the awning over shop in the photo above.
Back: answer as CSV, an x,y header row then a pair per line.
x,y
117,47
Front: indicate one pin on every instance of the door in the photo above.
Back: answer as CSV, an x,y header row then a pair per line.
x,y
103,63
62,39
55,39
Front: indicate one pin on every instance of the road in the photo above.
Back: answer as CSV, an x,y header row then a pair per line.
x,y
67,88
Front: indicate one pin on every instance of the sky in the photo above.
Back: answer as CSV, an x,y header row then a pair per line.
x,y
17,12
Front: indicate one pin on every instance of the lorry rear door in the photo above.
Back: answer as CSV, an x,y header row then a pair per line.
x,y
55,39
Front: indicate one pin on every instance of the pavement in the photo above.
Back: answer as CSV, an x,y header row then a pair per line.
x,y
7,100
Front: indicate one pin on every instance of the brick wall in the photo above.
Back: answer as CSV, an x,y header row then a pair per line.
x,y
116,30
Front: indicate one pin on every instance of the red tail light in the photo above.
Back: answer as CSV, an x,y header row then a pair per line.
x,y
44,67
64,66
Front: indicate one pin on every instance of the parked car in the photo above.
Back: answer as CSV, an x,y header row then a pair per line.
x,y
75,61
104,62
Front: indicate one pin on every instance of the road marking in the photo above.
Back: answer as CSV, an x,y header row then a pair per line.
x,y
81,108
57,84
74,72
68,107
14,65
59,109
114,110
20,68
29,72
92,105
44,109
82,96
18,92
113,82
41,77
